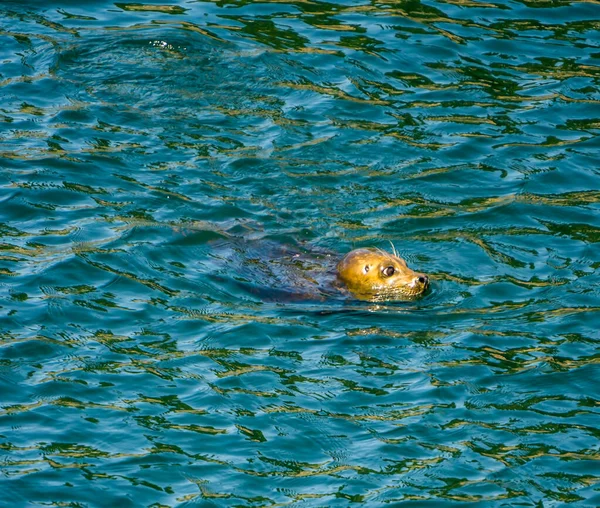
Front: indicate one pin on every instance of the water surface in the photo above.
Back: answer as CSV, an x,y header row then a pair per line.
x,y
158,162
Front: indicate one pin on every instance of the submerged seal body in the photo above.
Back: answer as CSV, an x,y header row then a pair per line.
x,y
376,275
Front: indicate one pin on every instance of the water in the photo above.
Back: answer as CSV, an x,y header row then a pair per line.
x,y
157,164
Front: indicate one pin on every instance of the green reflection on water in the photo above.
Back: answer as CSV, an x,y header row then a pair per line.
x,y
176,176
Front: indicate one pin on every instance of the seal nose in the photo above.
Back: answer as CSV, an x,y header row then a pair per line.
x,y
423,279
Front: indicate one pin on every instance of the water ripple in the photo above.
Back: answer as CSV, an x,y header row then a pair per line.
x,y
178,183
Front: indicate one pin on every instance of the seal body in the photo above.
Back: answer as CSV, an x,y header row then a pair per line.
x,y
376,275
290,272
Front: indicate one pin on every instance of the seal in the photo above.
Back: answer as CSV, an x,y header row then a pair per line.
x,y
290,271
376,275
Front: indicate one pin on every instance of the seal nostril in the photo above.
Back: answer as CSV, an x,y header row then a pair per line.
x,y
422,279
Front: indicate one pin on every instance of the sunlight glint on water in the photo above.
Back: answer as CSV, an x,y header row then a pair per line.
x,y
178,183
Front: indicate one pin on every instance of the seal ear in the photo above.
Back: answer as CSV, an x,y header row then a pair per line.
x,y
366,268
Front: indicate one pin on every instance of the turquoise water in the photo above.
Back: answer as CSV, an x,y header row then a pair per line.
x,y
172,176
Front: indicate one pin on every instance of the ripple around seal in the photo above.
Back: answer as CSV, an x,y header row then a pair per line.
x,y
176,178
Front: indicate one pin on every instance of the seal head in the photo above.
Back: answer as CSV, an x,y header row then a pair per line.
x,y
375,275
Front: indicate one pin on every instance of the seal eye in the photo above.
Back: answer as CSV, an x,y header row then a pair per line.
x,y
388,271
